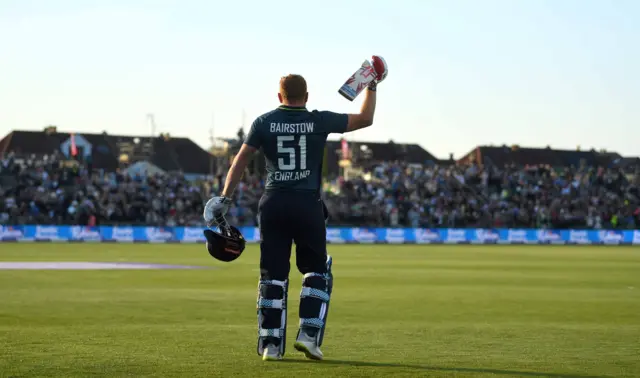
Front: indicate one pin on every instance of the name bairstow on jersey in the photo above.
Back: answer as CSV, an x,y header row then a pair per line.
x,y
291,128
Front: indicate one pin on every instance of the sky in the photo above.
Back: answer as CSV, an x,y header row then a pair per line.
x,y
462,73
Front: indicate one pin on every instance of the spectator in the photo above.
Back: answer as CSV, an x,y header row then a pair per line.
x,y
45,190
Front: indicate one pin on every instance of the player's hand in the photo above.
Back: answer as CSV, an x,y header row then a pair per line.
x,y
380,66
215,210
381,70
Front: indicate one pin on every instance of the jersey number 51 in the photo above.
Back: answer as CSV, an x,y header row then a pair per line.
x,y
289,164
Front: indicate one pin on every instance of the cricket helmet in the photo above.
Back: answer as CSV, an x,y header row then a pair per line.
x,y
226,245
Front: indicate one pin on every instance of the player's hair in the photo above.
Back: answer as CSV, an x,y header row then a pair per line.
x,y
293,88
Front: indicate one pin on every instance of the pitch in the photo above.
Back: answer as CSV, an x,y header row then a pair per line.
x,y
401,311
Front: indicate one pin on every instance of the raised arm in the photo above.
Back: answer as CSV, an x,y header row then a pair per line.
x,y
365,117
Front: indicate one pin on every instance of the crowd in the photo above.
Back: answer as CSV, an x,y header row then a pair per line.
x,y
470,196
47,190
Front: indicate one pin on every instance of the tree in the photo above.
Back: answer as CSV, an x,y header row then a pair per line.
x,y
240,135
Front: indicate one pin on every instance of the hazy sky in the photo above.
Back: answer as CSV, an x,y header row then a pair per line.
x,y
462,73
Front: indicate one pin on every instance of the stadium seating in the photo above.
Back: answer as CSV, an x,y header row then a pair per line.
x,y
42,181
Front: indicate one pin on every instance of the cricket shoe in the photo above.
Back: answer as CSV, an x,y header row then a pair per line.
x,y
271,353
307,345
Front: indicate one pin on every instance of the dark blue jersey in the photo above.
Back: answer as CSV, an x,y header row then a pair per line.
x,y
293,140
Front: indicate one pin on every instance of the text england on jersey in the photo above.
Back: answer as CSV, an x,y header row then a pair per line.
x,y
291,128
291,176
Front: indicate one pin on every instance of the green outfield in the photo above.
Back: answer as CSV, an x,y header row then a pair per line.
x,y
400,311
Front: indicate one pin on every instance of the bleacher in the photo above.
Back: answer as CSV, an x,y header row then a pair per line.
x,y
110,152
523,156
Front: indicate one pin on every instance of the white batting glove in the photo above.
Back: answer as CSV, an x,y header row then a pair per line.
x,y
215,210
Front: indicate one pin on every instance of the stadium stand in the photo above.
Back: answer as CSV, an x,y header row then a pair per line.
x,y
50,177
104,151
519,156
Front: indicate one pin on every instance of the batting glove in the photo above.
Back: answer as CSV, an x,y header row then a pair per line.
x,y
381,70
215,210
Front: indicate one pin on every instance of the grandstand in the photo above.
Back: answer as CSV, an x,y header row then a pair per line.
x,y
366,183
390,151
111,152
523,156
176,154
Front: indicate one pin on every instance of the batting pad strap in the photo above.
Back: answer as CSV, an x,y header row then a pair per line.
x,y
312,322
314,275
271,303
309,292
274,283
270,332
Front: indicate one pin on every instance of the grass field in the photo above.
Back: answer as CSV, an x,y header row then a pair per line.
x,y
401,311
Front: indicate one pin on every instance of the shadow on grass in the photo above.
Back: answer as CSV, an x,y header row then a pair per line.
x,y
441,369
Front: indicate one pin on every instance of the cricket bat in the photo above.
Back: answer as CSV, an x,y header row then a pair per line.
x,y
358,81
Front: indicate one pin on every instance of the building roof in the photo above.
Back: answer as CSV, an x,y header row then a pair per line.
x,y
522,156
168,153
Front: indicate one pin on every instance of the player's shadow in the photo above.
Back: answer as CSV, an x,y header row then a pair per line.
x,y
443,369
